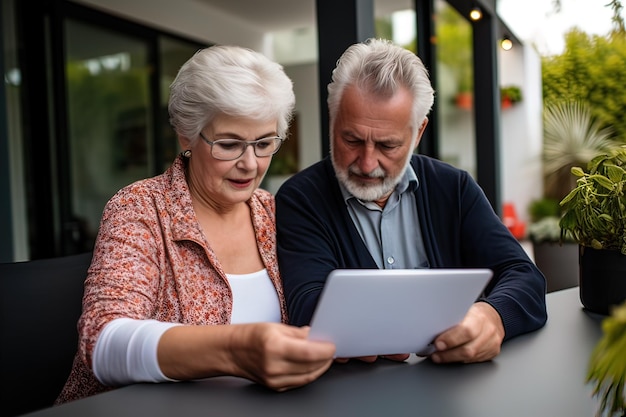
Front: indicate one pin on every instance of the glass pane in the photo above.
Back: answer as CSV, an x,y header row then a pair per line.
x,y
455,88
109,126
172,55
396,21
14,211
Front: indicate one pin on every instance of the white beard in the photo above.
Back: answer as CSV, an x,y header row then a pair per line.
x,y
368,192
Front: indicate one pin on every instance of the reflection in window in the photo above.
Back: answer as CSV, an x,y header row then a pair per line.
x,y
172,55
396,21
109,122
455,88
115,62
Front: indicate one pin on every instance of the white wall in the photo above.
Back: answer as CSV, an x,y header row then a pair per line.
x,y
521,130
187,18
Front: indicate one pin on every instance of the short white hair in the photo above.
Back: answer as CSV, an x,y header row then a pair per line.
x,y
229,80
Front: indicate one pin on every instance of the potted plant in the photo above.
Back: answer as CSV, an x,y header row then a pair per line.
x,y
554,255
464,98
595,214
510,95
454,54
607,365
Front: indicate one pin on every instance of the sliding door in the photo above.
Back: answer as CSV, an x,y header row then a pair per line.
x,y
110,134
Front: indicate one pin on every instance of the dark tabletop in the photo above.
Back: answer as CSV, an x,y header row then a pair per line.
x,y
541,374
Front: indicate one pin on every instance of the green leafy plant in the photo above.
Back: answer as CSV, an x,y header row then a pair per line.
x,y
571,137
607,365
595,210
511,92
548,229
590,68
454,47
545,214
544,207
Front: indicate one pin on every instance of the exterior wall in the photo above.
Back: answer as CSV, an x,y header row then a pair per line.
x,y
521,130
186,17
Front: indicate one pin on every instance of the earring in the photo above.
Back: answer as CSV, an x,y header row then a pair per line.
x,y
186,154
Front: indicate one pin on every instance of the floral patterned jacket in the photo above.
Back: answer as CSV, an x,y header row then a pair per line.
x,y
151,261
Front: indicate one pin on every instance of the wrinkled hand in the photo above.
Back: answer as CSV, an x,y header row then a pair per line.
x,y
369,359
477,338
280,356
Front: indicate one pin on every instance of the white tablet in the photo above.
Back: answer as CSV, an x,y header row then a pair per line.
x,y
386,311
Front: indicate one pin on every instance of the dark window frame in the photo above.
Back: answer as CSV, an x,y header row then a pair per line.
x,y
42,55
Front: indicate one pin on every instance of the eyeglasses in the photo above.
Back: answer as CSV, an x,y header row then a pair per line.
x,y
231,149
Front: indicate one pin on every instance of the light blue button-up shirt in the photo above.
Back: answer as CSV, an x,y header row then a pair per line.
x,y
392,234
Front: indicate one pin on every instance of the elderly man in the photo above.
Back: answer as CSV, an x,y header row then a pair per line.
x,y
374,203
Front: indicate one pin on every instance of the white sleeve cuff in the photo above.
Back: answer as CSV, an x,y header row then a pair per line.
x,y
126,352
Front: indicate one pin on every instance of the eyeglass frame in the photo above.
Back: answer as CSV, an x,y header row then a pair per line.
x,y
246,143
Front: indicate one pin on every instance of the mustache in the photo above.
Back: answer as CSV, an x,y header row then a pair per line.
x,y
377,173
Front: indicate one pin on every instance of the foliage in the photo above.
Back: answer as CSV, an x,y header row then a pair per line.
x,y
544,207
592,69
511,92
283,164
548,229
383,27
545,214
454,46
607,365
595,210
571,138
618,16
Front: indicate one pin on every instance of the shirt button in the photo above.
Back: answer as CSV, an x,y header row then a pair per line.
x,y
390,260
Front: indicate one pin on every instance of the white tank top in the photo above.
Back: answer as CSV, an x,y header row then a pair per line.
x,y
254,298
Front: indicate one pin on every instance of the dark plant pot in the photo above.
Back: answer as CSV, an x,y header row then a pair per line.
x,y
559,264
602,279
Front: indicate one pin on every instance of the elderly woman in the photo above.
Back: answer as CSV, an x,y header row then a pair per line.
x,y
184,282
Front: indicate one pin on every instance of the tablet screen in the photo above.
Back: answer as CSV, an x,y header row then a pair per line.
x,y
387,311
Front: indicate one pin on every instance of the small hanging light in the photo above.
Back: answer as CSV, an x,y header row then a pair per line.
x,y
476,13
506,43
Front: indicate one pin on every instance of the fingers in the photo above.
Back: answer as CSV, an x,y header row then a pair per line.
x,y
400,357
289,380
477,338
282,358
475,351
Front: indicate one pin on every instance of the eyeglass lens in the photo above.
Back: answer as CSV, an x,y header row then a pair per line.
x,y
234,148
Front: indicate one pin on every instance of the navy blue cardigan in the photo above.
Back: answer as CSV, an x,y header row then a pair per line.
x,y
315,235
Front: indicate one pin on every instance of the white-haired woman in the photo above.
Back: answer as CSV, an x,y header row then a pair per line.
x,y
184,281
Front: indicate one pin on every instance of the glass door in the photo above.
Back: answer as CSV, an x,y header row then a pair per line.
x,y
455,88
109,123
173,53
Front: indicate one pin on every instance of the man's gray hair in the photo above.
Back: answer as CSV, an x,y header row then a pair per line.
x,y
380,67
